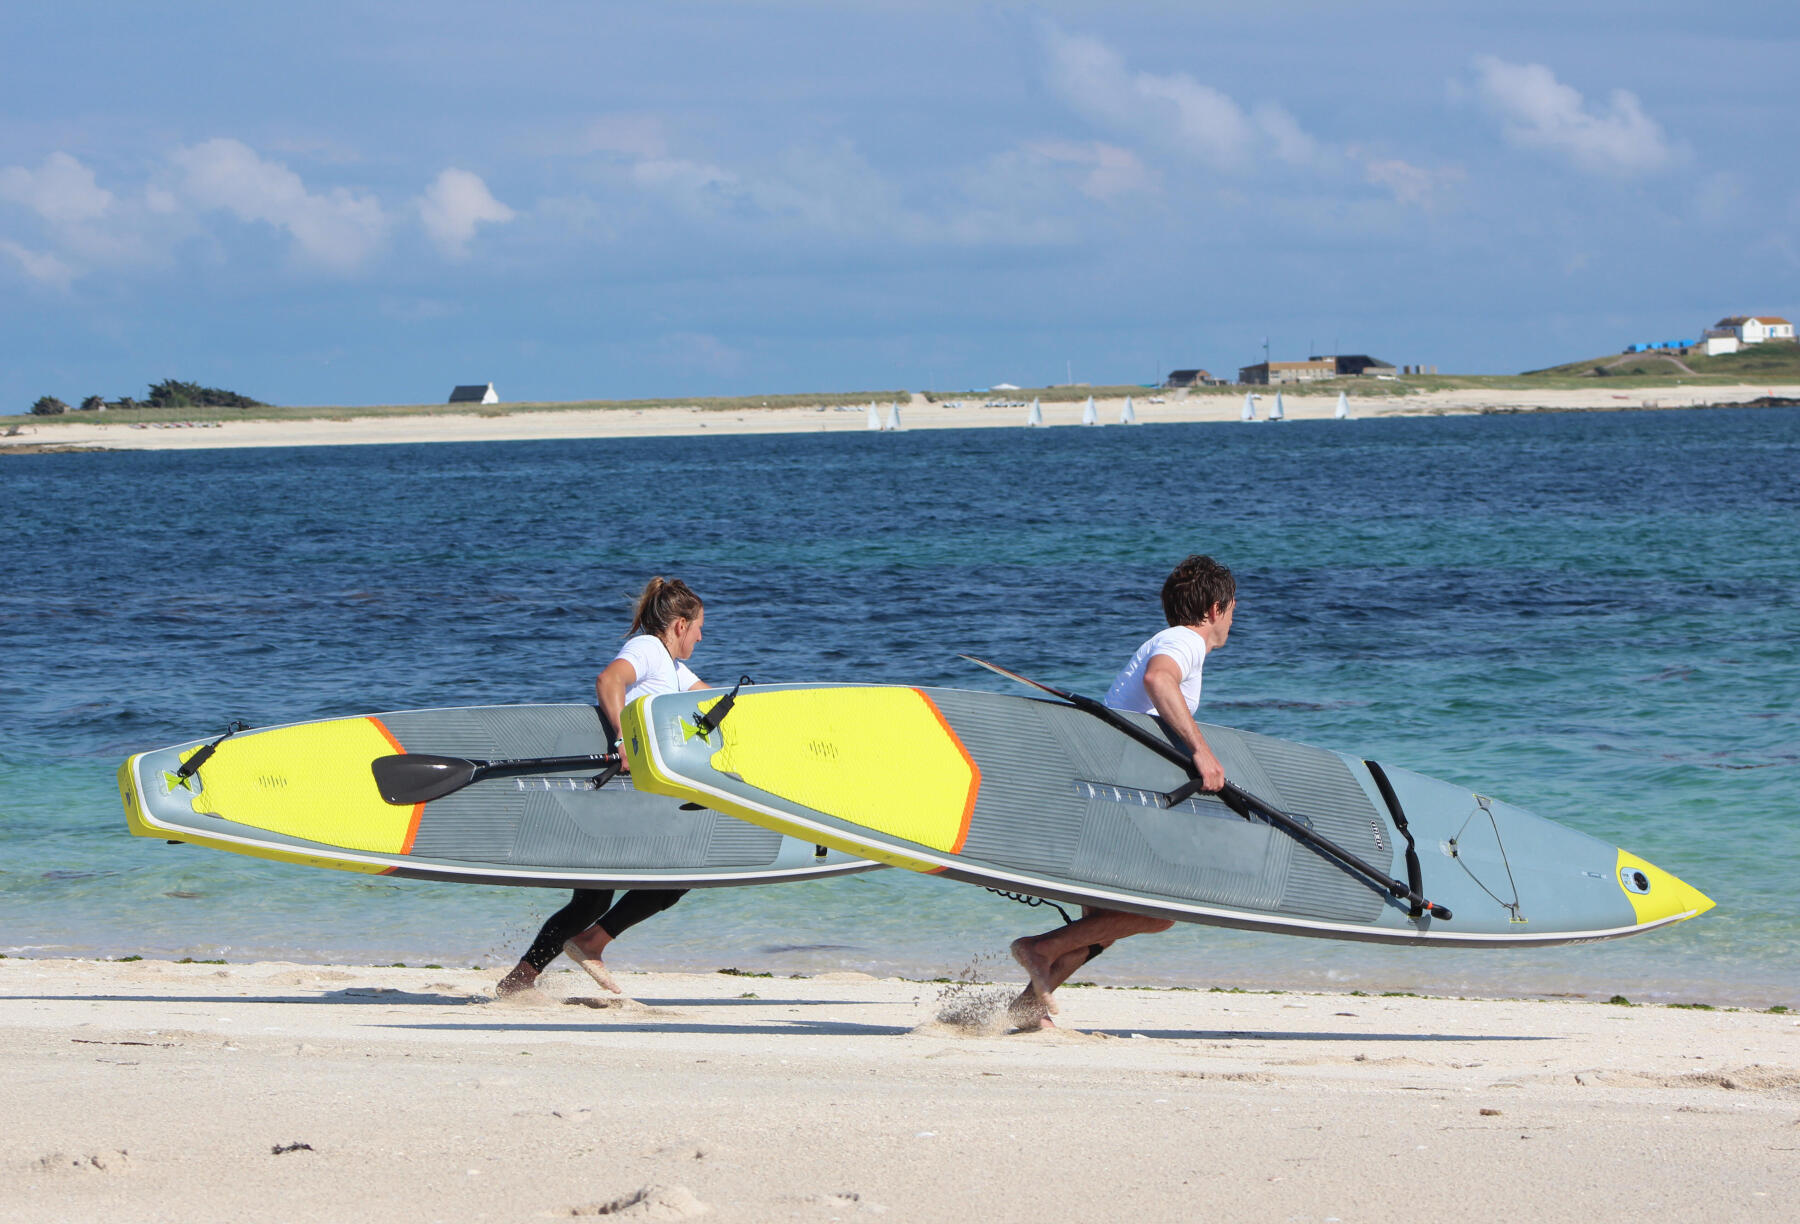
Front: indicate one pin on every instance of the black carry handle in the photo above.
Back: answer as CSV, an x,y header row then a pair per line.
x,y
417,777
1237,799
713,717
192,765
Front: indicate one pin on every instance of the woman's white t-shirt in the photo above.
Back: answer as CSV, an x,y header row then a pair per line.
x,y
657,670
1181,644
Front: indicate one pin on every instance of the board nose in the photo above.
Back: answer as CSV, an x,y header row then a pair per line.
x,y
1657,896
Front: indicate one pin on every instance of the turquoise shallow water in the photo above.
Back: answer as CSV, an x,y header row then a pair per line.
x,y
1594,616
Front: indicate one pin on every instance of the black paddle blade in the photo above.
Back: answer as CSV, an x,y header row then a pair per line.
x,y
415,777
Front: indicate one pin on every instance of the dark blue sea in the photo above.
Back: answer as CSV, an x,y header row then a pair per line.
x,y
1596,616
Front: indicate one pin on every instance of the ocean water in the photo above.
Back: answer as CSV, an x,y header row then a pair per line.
x,y
1596,616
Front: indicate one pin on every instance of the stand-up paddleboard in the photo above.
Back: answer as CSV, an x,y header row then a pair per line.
x,y
313,793
1079,804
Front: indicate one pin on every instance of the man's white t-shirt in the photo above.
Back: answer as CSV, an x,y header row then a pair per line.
x,y
657,670
1181,644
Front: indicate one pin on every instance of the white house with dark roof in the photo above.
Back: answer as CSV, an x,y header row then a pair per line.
x,y
474,393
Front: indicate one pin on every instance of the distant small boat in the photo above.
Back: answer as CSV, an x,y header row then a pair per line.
x,y
1249,407
1088,415
1279,412
893,417
1035,416
874,418
1129,416
1343,408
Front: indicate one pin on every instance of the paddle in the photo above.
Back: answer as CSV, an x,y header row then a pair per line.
x,y
417,777
1236,798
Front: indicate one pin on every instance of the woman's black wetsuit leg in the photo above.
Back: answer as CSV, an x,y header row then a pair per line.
x,y
582,911
637,905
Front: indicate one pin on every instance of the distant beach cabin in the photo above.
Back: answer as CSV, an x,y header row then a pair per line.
x,y
1359,365
474,393
1187,378
1265,373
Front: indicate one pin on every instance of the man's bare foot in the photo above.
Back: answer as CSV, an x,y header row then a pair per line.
x,y
595,969
523,977
1027,1012
1038,970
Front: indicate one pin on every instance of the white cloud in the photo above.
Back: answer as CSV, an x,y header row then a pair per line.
x,y
455,203
1540,112
639,136
1107,171
339,229
1409,184
62,191
1172,110
40,266
690,180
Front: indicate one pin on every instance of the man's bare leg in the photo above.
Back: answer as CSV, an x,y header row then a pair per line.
x,y
523,976
1028,1010
585,951
1049,959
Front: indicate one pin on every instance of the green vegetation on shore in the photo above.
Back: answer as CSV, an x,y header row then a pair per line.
x,y
144,414
1771,362
168,394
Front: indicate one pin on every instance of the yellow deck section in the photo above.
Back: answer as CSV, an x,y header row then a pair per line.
x,y
1669,897
882,758
310,781
873,756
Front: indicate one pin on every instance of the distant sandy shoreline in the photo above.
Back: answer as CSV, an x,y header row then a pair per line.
x,y
160,1091
916,414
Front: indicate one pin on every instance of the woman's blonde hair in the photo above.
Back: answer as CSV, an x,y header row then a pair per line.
x,y
663,602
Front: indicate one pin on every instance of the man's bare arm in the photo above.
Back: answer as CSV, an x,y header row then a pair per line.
x,y
1162,680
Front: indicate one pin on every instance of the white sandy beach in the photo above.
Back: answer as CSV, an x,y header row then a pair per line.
x,y
154,1091
463,425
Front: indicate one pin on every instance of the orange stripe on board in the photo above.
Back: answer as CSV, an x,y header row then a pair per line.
x,y
962,830
385,733
418,811
412,828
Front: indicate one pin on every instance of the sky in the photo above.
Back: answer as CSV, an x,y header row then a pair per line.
x,y
360,204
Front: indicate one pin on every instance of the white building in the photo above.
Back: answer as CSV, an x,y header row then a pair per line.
x,y
474,393
1753,329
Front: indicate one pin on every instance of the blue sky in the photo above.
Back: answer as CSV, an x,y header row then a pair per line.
x,y
366,204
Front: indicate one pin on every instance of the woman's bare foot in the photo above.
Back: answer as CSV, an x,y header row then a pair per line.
x,y
590,961
1038,970
523,977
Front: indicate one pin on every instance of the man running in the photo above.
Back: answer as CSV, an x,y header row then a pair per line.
x,y
1162,678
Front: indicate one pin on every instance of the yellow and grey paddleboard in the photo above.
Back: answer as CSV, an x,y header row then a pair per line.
x,y
1042,798
306,793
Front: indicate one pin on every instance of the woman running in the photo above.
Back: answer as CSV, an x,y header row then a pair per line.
x,y
665,628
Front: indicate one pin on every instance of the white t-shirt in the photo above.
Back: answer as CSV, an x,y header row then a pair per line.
x,y
1181,644
657,670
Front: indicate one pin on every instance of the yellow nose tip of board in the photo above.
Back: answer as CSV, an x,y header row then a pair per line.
x,y
1655,895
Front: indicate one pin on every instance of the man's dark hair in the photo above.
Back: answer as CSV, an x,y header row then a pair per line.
x,y
1198,585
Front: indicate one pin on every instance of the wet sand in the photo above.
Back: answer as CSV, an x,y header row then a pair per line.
x,y
158,1091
